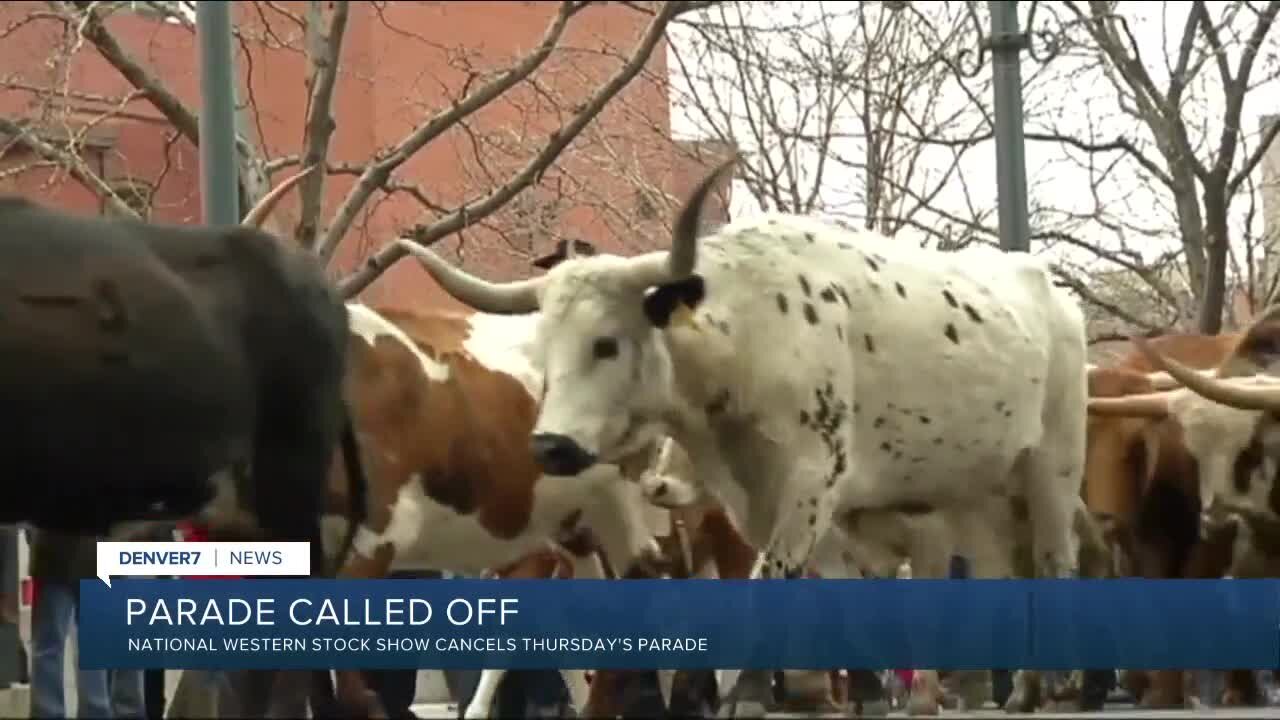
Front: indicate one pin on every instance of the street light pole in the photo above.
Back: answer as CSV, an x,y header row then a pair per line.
x,y
219,181
1006,43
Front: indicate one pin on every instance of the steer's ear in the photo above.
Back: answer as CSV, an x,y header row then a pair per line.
x,y
1259,349
662,301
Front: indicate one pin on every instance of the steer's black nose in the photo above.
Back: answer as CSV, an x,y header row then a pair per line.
x,y
560,454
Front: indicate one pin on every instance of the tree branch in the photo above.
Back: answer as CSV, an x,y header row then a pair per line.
x,y
324,51
73,164
480,208
152,88
377,172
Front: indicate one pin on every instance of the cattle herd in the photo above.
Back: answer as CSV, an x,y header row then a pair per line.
x,y
782,397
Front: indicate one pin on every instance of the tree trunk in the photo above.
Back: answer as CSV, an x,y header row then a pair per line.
x,y
1213,300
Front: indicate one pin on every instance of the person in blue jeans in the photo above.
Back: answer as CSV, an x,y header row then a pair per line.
x,y
58,562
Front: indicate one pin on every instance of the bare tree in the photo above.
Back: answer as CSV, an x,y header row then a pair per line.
x,y
1139,125
821,99
1193,152
452,113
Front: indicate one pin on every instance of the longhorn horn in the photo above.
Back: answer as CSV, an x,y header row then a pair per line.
x,y
1162,380
255,217
684,241
1219,390
1149,405
512,298
679,262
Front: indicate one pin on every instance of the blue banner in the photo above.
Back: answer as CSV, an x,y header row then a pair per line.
x,y
764,624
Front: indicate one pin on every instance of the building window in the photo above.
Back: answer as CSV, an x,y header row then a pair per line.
x,y
136,194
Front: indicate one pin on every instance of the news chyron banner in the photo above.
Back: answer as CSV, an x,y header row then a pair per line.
x,y
233,559
271,623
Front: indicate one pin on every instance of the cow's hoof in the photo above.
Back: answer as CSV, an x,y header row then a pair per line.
x,y
365,705
1063,706
873,708
1093,704
1232,697
922,706
1155,699
1019,702
968,688
1028,692
742,708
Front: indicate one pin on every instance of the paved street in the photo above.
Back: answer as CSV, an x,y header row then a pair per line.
x,y
442,710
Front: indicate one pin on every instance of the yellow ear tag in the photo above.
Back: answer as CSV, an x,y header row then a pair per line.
x,y
683,315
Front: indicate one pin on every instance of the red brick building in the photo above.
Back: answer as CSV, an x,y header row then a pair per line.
x,y
401,64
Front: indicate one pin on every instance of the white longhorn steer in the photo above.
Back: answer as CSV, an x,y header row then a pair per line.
x,y
812,370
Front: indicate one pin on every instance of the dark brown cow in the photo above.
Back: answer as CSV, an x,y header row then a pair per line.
x,y
164,372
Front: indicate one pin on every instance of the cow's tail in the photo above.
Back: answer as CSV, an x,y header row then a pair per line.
x,y
357,493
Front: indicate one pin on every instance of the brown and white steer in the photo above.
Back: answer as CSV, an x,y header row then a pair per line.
x,y
1141,473
553,562
444,403
1227,419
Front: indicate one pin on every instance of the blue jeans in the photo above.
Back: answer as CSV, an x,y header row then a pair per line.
x,y
51,619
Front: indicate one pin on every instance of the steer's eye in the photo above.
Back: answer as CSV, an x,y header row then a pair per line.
x,y
604,348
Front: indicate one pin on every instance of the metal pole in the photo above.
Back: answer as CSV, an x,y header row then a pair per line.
x,y
1007,42
219,186
9,637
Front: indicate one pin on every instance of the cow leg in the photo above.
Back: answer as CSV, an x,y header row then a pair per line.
x,y
616,518
802,512
353,692
867,694
486,690
575,681
693,694
926,693
293,455
1053,474
1026,694
666,681
1241,689
1164,690
1052,480
392,524
1095,687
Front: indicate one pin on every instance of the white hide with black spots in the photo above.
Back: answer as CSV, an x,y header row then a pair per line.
x,y
830,370
825,370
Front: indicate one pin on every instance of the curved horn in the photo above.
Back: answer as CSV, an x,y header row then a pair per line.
x,y
1163,381
1217,389
680,261
513,298
255,217
684,240
1149,405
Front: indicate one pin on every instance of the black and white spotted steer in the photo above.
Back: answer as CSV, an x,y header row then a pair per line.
x,y
813,371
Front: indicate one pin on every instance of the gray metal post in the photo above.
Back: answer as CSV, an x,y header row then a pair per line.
x,y
219,182
1007,42
9,637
